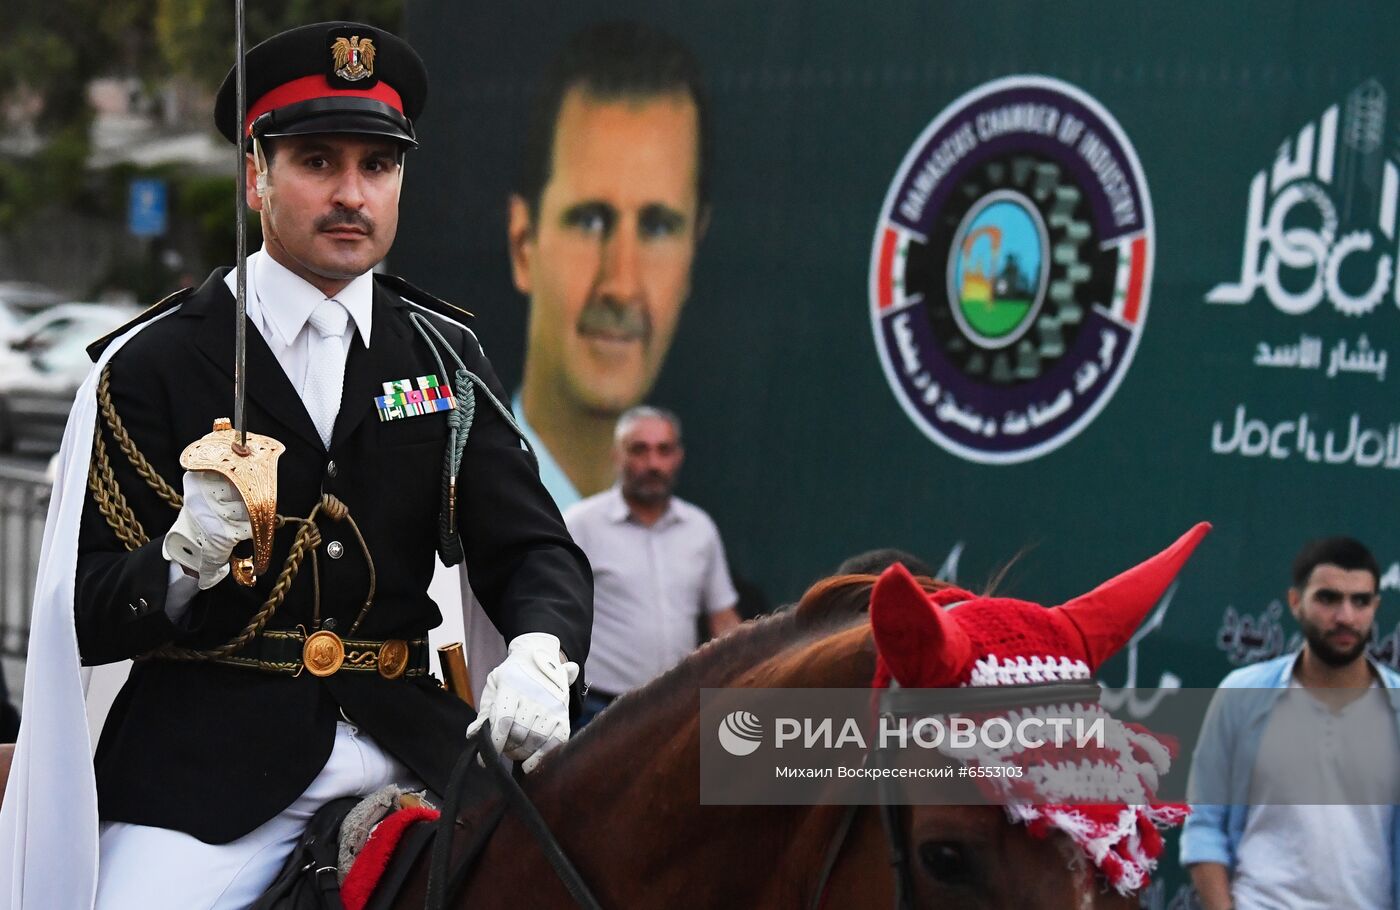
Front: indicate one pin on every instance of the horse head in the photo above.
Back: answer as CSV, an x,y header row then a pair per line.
x,y
951,638
623,797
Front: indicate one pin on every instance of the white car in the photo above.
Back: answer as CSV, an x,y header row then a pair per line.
x,y
48,351
42,364
27,297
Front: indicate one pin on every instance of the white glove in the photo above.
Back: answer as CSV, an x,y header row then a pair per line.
x,y
210,524
526,700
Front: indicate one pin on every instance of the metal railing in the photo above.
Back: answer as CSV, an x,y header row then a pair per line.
x,y
24,502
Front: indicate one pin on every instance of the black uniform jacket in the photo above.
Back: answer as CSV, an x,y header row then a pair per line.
x,y
215,750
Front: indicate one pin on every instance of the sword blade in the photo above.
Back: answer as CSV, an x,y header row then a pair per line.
x,y
240,357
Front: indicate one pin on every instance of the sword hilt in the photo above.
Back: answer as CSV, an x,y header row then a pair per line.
x,y
252,469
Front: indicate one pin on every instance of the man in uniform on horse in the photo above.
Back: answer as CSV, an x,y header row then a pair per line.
x,y
254,702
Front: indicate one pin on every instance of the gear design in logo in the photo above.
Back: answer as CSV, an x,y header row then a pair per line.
x,y
1010,270
740,733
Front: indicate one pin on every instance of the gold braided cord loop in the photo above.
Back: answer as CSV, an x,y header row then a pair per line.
x,y
369,562
128,447
334,508
110,501
112,504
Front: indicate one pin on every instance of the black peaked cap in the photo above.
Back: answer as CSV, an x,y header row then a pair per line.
x,y
329,77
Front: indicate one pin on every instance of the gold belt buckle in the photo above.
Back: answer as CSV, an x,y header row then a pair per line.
x,y
324,652
393,658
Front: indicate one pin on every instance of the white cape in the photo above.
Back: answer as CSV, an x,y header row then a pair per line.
x,y
48,823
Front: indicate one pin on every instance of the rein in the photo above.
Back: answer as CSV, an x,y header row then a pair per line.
x,y
897,702
444,885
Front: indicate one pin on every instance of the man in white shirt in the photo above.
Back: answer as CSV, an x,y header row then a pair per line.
x,y
658,563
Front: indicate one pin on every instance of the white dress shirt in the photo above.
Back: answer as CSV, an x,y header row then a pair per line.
x,y
280,303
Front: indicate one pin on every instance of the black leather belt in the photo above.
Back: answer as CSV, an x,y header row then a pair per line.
x,y
324,653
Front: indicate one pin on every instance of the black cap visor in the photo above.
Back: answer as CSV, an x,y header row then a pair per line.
x,y
336,115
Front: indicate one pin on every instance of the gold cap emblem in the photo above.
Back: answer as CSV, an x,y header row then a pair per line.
x,y
354,57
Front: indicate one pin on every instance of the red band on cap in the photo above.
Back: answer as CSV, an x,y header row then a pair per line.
x,y
308,87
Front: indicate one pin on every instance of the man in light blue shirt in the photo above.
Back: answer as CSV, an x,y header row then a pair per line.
x,y
1248,845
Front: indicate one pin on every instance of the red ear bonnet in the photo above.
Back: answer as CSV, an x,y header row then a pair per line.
x,y
919,642
1108,616
953,638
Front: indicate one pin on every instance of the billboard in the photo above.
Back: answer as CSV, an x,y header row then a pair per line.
x,y
1042,284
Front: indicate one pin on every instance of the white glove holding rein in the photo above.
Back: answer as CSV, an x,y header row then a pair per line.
x,y
525,703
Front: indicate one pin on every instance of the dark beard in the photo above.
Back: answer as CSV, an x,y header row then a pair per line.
x,y
658,490
1328,653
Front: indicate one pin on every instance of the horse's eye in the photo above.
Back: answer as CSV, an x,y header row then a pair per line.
x,y
946,861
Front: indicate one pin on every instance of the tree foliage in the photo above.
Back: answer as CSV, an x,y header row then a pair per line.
x,y
57,48
54,49
196,36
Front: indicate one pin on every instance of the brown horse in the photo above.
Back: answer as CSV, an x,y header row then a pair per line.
x,y
623,801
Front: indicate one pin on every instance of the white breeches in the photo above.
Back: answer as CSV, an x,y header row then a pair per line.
x,y
144,868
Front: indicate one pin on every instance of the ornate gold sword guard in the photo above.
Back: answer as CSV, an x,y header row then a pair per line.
x,y
253,470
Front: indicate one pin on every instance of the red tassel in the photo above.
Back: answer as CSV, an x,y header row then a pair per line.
x,y
1151,840
1112,867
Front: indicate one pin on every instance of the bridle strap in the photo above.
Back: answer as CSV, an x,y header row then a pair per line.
x,y
893,824
898,843
440,888
833,853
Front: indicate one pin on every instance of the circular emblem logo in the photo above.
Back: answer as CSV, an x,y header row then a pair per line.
x,y
740,733
1010,270
323,653
393,658
996,274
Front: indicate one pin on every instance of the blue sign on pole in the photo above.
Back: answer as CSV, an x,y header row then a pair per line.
x,y
148,210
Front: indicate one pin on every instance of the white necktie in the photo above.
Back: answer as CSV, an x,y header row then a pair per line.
x,y
325,373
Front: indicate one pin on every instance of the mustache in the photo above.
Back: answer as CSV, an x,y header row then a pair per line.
x,y
344,218
608,317
650,477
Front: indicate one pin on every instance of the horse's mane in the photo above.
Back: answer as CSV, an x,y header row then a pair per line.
x,y
829,606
